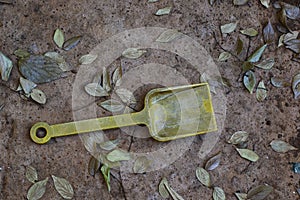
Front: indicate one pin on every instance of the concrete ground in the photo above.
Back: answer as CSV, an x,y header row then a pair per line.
x,y
30,25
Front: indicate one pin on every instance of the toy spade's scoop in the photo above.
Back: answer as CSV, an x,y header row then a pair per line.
x,y
169,113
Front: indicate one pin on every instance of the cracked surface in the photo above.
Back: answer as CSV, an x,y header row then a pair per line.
x,y
30,25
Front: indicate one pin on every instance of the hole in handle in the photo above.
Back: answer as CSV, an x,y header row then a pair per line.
x,y
40,133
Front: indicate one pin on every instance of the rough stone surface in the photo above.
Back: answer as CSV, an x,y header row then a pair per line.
x,y
30,25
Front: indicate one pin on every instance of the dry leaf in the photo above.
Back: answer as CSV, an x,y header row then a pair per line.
x,y
71,43
269,34
228,28
94,165
31,174
241,196
60,60
37,190
224,56
117,75
213,162
249,32
87,59
266,64
5,67
141,164
106,80
20,53
240,2
257,54
59,38
265,3
249,81
239,46
162,189
126,96
259,192
296,86
27,85
163,11
118,155
95,90
293,45
281,146
203,176
218,194
261,91
248,154
63,187
109,145
133,53
238,137
278,82
38,96
168,36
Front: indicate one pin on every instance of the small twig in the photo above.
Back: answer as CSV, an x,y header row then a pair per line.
x,y
122,187
248,49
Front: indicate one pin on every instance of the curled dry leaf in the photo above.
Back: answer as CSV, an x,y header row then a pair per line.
x,y
293,45
109,145
292,12
259,192
249,81
249,32
40,69
238,137
290,36
279,82
248,154
296,86
38,96
266,64
27,85
106,174
31,174
224,56
213,162
133,53
203,176
94,166
283,18
71,43
261,91
240,2
95,90
269,33
164,11
257,54
218,194
162,188
5,67
168,36
118,155
87,59
63,187
106,80
37,190
117,75
59,38
228,28
141,164
281,146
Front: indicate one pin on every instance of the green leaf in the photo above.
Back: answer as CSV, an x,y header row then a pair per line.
x,y
63,187
238,137
133,53
249,81
239,46
39,69
249,32
5,67
261,91
117,75
94,166
59,38
164,11
266,64
240,2
60,60
109,145
269,34
112,105
228,28
224,56
71,43
213,162
141,164
87,59
95,90
259,192
296,85
37,190
248,154
118,155
27,85
38,96
241,196
31,174
281,146
265,3
168,36
203,176
218,194
106,174
257,54
20,53
126,96
162,189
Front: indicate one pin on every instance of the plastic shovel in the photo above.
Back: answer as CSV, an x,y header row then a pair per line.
x,y
169,113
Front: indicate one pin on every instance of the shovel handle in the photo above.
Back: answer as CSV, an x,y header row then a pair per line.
x,y
42,132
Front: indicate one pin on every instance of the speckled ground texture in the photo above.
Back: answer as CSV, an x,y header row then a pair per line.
x,y
30,25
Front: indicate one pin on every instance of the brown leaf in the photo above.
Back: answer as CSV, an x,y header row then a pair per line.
x,y
94,166
239,46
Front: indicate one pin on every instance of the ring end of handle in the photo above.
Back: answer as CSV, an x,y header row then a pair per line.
x,y
41,133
